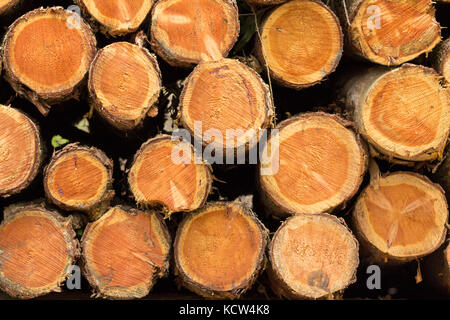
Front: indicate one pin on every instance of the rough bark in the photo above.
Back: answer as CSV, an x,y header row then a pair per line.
x,y
124,84
313,36
44,66
79,178
37,250
441,59
442,175
186,32
220,250
20,151
319,165
403,112
312,257
265,2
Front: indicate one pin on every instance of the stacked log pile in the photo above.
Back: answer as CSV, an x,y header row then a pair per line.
x,y
236,148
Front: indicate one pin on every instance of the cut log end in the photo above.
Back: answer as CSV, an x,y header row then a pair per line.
x,y
79,178
47,53
393,32
313,36
166,173
185,32
318,165
125,252
117,18
401,216
312,257
37,249
20,151
219,250
124,84
405,114
226,95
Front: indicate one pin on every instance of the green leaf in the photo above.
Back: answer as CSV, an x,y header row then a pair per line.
x,y
58,141
83,125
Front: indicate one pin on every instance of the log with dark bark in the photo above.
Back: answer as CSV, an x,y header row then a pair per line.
x,y
223,96
389,32
47,54
404,113
185,32
312,257
20,151
116,18
124,84
400,217
265,2
220,250
301,43
437,269
166,173
314,165
37,250
125,252
441,59
79,178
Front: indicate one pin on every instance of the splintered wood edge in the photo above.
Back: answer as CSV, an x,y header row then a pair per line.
x,y
111,26
356,12
376,245
170,55
262,51
427,152
44,100
139,290
73,249
264,102
203,173
279,282
103,196
8,5
99,102
278,204
260,263
38,154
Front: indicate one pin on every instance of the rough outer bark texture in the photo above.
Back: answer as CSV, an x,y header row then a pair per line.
x,y
133,253
122,23
395,216
118,109
163,170
437,269
318,256
227,227
196,24
408,29
300,39
442,175
265,2
43,95
38,260
226,95
71,157
441,59
413,120
306,159
12,143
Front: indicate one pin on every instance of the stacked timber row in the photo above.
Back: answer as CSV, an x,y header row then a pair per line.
x,y
46,58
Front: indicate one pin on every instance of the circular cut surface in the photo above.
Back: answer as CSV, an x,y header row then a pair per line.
x,y
194,30
33,251
404,215
319,165
302,40
392,32
225,95
157,177
315,255
407,112
19,150
124,252
125,81
46,54
120,17
77,179
219,248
